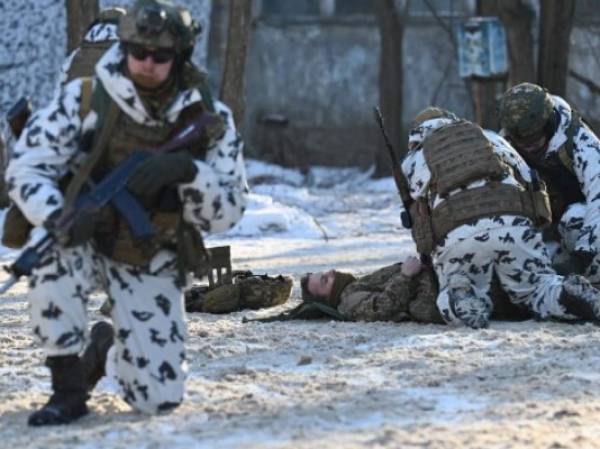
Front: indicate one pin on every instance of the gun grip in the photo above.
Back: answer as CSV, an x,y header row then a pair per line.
x,y
405,219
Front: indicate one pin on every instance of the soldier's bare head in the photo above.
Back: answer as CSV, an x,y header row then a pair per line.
x,y
319,284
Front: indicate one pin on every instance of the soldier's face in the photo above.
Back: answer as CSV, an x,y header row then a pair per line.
x,y
320,284
148,67
531,146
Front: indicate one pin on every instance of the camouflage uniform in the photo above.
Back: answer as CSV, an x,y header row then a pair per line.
x,y
246,291
101,34
576,189
509,245
148,356
389,295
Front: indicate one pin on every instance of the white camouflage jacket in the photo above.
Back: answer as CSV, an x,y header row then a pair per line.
x,y
586,165
416,171
214,201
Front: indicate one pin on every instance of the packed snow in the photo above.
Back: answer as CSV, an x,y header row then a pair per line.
x,y
325,384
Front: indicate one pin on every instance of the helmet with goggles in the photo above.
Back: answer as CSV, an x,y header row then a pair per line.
x,y
161,25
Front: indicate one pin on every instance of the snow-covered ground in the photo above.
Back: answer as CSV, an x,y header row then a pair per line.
x,y
329,384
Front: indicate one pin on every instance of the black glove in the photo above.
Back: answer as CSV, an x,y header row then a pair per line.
x,y
161,171
77,234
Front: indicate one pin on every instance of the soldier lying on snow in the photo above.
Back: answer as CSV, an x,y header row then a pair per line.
x,y
399,292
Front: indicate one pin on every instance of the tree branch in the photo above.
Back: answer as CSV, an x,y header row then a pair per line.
x,y
591,85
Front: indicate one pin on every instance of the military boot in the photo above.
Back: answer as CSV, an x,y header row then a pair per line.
x,y
68,402
102,337
580,298
472,310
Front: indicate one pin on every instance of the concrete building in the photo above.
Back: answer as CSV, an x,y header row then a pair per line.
x,y
312,76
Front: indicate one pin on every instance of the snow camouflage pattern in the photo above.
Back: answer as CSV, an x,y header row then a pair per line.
x,y
388,295
506,244
100,32
148,304
580,224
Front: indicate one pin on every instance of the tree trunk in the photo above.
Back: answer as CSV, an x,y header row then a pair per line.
x,y
518,18
80,14
556,22
234,74
391,30
485,90
217,42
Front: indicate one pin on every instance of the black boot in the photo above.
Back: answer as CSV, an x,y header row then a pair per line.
x,y
580,298
69,384
102,337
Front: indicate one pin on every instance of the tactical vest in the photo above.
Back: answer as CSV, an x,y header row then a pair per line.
x,y
125,136
457,155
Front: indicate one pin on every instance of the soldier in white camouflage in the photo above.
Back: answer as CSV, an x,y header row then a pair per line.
x,y
143,92
476,208
552,137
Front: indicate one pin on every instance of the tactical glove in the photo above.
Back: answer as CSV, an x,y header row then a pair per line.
x,y
78,233
161,171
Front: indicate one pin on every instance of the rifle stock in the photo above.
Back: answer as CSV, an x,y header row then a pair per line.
x,y
401,183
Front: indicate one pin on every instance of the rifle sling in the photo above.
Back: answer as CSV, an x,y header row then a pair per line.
x,y
85,170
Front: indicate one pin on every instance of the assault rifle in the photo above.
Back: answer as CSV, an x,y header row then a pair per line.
x,y
112,188
401,183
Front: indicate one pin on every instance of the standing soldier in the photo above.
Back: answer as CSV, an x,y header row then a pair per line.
x,y
475,208
553,139
144,90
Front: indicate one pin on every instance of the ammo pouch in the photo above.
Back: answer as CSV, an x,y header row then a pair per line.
x,y
422,231
114,239
16,228
486,201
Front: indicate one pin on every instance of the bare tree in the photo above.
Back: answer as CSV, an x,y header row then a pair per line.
x,y
234,73
392,22
80,14
518,17
556,22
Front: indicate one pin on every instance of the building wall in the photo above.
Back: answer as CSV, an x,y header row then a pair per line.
x,y
321,76
311,82
33,46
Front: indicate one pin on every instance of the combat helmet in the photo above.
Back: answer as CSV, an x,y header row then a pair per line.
x,y
525,110
160,24
426,122
112,14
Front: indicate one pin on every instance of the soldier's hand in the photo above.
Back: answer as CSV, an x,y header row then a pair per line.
x,y
77,234
411,267
161,171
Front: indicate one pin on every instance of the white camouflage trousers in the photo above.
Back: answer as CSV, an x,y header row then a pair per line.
x,y
580,236
517,254
148,356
